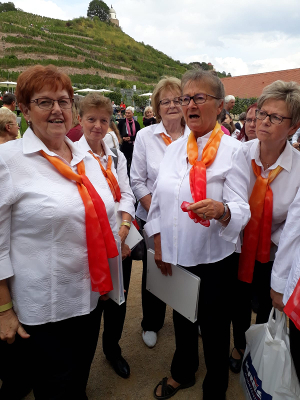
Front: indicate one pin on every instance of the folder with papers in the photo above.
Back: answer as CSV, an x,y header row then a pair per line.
x,y
180,291
134,236
116,272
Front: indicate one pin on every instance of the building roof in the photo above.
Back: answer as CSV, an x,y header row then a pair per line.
x,y
252,85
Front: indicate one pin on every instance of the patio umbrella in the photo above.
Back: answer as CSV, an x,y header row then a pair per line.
x,y
145,94
8,84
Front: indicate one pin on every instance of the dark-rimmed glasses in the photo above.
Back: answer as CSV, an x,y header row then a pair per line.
x,y
199,98
274,118
47,104
167,102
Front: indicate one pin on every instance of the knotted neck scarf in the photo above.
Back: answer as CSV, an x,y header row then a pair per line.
x,y
166,139
198,170
128,127
257,234
101,244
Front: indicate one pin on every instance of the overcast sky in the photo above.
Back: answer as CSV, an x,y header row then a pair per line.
x,y
236,36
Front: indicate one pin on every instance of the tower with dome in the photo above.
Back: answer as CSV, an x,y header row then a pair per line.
x,y
113,16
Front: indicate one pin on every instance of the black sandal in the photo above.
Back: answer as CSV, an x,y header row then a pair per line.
x,y
235,364
168,391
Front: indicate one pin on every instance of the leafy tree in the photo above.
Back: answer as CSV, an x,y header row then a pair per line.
x,y
4,7
98,8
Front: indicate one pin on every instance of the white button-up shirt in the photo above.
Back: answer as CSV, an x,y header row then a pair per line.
x,y
43,250
284,186
149,150
183,241
127,201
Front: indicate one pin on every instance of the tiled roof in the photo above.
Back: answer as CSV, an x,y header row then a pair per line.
x,y
252,85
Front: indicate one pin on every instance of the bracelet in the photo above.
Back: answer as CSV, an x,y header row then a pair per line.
x,y
6,307
126,220
224,213
224,220
125,223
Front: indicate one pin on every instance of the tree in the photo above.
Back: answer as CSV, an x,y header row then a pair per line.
x,y
98,8
4,7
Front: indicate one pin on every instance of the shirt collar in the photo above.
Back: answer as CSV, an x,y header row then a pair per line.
x,y
284,160
160,128
85,147
32,144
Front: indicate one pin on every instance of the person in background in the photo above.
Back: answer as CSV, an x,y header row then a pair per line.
x,y
242,119
229,103
196,216
95,114
122,107
248,131
221,118
272,166
229,121
114,107
150,147
54,249
148,118
128,129
9,128
119,115
113,139
296,140
9,101
75,132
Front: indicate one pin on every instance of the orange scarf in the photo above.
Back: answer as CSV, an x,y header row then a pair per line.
x,y
257,234
110,178
166,139
101,244
198,170
292,307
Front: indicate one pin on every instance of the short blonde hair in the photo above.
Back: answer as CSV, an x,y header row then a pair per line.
x,y
95,100
289,92
6,117
148,108
167,83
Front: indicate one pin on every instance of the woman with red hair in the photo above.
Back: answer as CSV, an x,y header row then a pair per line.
x,y
248,131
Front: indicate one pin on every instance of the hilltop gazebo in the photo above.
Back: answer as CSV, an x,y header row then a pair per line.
x,y
113,16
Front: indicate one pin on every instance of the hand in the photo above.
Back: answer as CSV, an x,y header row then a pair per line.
x,y
123,233
126,252
208,209
165,268
296,145
126,138
277,300
104,297
9,326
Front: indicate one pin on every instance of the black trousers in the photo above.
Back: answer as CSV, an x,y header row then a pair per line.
x,y
241,305
214,320
114,317
58,356
154,310
295,347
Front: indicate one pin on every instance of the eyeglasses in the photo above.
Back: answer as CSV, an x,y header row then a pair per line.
x,y
199,98
167,102
274,118
249,120
48,104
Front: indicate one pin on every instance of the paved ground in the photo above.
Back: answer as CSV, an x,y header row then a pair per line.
x,y
148,366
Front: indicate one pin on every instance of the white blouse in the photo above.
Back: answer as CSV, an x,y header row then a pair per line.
x,y
284,186
127,201
183,241
149,150
43,250
286,267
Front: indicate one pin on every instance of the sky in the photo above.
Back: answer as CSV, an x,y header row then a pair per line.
x,y
236,36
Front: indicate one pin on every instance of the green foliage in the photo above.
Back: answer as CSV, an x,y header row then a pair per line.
x,y
241,105
98,8
140,101
5,7
115,96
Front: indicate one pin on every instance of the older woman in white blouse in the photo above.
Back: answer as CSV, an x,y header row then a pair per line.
x,y
53,256
95,114
150,146
203,236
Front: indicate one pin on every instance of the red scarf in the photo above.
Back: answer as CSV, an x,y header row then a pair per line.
x,y
101,244
292,308
128,128
198,170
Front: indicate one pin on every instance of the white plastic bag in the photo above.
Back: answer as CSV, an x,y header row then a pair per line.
x,y
268,372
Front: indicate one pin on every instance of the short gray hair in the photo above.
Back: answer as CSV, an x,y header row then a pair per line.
x,y
229,98
6,117
208,77
130,109
289,92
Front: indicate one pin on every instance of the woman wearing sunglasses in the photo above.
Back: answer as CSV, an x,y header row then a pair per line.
x,y
273,166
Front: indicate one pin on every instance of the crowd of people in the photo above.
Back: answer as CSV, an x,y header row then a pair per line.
x,y
220,199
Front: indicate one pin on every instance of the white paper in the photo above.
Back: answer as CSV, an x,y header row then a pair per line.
x,y
180,291
134,236
116,272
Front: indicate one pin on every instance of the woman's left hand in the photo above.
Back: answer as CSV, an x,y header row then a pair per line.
x,y
277,300
123,233
126,252
207,209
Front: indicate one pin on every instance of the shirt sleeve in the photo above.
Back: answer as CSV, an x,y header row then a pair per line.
x,y
127,201
289,244
6,201
138,172
296,136
153,221
236,194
